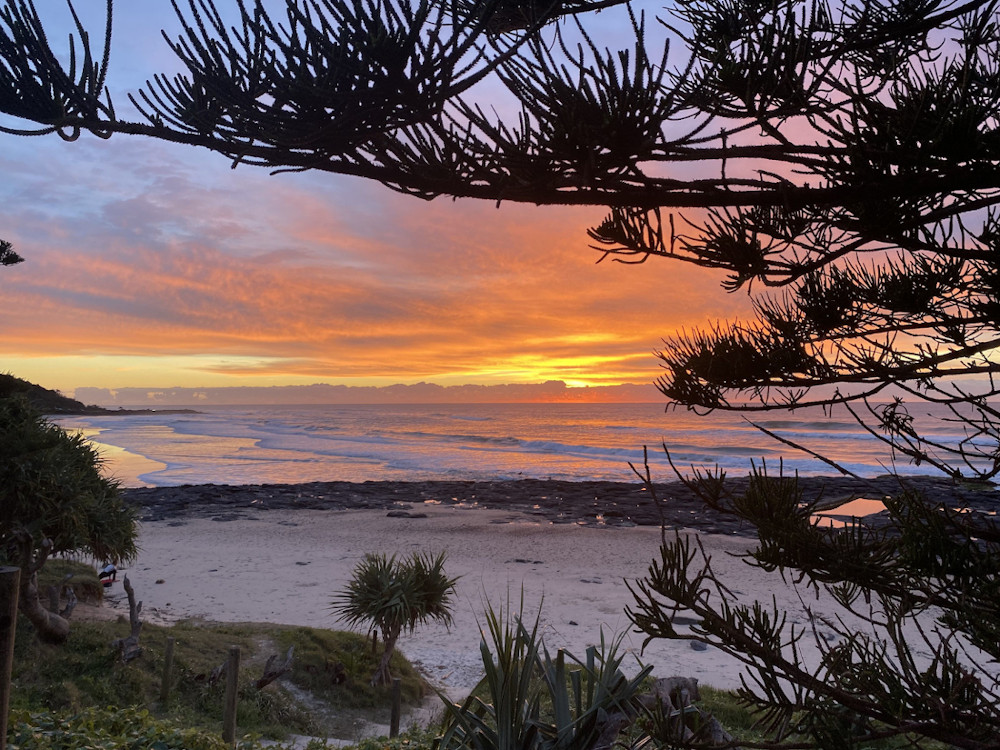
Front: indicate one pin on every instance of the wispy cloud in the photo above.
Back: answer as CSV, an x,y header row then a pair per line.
x,y
138,251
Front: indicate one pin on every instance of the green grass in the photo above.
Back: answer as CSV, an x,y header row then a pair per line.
x,y
739,721
730,713
119,728
337,667
84,580
85,672
80,695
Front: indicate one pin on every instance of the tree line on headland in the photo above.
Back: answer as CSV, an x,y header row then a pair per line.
x,y
53,403
43,399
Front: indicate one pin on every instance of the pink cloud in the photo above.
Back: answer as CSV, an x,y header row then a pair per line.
x,y
136,248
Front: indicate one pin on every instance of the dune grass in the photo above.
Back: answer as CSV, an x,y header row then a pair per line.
x,y
330,669
83,579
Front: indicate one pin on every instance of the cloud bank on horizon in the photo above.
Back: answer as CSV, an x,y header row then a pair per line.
x,y
148,263
553,391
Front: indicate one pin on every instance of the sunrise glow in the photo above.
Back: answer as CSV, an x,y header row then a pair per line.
x,y
152,265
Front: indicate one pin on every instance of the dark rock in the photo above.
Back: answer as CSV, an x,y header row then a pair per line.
x,y
684,620
613,724
676,692
620,503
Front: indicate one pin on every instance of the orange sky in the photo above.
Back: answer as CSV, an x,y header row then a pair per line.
x,y
155,265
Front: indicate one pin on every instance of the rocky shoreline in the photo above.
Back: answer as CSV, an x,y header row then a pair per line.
x,y
611,504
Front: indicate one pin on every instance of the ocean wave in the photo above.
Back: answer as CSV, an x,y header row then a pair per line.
x,y
814,425
289,444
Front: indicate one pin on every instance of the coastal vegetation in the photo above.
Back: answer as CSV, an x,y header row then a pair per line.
x,y
835,161
529,700
911,655
43,400
83,683
394,596
54,499
52,403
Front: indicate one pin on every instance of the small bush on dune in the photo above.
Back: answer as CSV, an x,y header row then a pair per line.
x,y
336,667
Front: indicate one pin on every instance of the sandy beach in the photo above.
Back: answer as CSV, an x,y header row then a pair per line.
x,y
285,566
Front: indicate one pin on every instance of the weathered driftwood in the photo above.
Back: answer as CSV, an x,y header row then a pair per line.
x,y
57,593
129,647
71,602
51,628
216,674
273,671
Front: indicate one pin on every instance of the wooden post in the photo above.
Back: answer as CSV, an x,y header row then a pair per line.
x,y
168,663
232,695
396,700
10,579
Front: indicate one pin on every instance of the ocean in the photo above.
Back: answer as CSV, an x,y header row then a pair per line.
x,y
576,442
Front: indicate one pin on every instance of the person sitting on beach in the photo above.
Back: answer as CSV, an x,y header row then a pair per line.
x,y
108,575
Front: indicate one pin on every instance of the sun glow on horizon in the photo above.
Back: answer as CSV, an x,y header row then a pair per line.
x,y
152,265
67,373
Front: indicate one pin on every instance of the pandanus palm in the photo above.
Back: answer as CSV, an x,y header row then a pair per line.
x,y
54,498
393,596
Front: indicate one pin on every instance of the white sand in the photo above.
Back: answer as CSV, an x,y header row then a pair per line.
x,y
286,567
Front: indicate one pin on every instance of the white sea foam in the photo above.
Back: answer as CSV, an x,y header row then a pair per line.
x,y
261,444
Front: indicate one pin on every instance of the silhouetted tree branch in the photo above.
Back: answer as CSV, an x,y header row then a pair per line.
x,y
913,655
844,160
846,154
7,255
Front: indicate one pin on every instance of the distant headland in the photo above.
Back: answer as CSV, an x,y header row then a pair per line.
x,y
55,404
